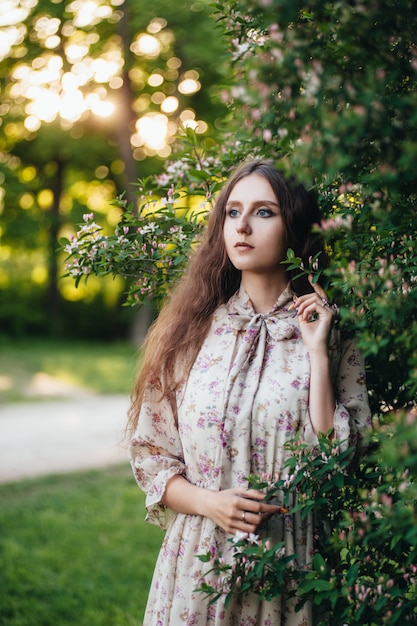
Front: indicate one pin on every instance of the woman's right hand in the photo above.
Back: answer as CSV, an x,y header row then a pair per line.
x,y
238,509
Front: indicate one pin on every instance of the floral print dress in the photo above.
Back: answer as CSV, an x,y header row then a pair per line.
x,y
246,396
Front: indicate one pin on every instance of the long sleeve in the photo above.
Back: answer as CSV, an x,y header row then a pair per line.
x,y
156,453
352,416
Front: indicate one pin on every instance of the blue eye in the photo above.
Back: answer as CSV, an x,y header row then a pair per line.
x,y
232,212
265,212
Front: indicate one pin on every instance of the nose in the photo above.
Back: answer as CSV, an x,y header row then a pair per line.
x,y
242,225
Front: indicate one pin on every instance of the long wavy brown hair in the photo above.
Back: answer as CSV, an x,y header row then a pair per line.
x,y
175,338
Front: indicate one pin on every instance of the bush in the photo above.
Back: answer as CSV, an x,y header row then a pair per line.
x,y
364,567
328,90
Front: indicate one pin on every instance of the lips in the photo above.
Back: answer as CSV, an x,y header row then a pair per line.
x,y
243,245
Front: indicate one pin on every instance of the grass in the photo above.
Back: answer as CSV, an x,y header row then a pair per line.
x,y
101,368
75,550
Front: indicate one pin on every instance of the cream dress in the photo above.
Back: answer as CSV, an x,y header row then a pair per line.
x,y
247,394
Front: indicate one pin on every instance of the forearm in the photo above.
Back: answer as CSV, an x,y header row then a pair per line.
x,y
321,398
183,497
232,509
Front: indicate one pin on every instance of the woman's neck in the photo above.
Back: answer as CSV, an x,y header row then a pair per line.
x,y
263,290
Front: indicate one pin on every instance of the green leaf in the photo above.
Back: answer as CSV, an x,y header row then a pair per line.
x,y
191,135
319,563
352,574
316,585
315,277
199,175
339,480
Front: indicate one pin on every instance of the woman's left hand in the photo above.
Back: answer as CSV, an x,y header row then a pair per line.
x,y
316,317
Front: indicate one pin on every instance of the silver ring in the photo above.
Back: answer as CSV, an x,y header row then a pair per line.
x,y
244,517
325,302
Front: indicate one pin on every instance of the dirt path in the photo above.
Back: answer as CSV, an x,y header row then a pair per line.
x,y
61,435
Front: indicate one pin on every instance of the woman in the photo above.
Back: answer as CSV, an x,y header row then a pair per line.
x,y
240,360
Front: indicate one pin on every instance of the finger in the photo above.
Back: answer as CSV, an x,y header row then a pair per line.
x,y
319,291
305,301
317,288
272,509
314,312
311,301
259,508
253,503
253,494
253,519
248,522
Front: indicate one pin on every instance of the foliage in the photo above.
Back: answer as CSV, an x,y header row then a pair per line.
x,y
151,246
328,90
75,550
364,568
91,97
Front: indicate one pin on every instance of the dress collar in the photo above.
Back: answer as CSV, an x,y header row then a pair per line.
x,y
241,304
278,323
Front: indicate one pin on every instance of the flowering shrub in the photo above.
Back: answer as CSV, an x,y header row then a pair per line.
x,y
364,569
149,248
329,91
258,565
332,100
152,243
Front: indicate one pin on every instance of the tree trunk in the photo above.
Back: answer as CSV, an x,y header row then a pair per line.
x,y
127,117
53,295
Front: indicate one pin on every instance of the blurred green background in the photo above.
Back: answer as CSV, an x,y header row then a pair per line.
x,y
92,95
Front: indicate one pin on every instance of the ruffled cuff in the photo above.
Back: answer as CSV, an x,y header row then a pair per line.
x,y
156,512
344,429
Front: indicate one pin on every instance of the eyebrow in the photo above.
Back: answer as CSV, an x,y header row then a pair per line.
x,y
255,204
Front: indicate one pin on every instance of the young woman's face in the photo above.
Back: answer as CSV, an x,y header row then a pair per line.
x,y
254,231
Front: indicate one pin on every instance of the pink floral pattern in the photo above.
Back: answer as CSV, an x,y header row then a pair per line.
x,y
247,394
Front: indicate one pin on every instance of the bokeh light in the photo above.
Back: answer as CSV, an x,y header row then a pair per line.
x,y
71,78
146,45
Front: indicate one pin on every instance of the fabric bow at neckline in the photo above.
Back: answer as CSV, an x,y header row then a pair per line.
x,y
278,323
